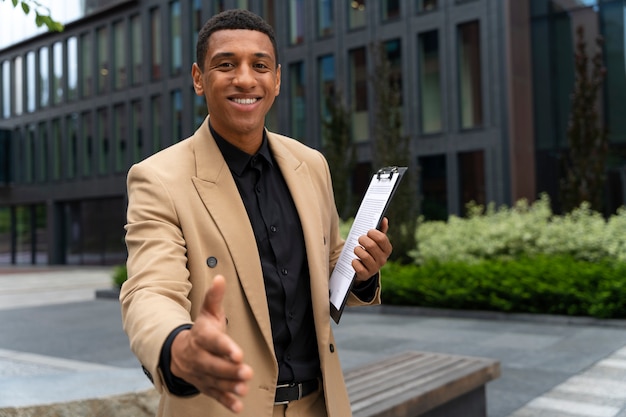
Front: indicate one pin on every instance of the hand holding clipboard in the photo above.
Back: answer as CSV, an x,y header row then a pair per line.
x,y
369,215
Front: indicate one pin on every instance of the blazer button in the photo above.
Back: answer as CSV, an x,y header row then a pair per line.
x,y
332,348
211,262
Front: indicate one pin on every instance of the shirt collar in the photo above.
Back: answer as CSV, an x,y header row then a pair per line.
x,y
236,159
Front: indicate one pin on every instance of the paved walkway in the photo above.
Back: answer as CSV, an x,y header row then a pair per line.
x,y
60,343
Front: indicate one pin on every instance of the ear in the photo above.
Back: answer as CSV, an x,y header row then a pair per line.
x,y
277,86
196,75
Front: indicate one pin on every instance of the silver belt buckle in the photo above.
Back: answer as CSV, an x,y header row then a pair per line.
x,y
286,386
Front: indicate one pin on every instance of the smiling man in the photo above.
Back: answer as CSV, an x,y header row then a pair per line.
x,y
232,235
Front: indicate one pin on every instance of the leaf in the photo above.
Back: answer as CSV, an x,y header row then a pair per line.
x,y
39,20
26,8
14,3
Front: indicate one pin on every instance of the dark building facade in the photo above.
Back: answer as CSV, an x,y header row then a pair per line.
x,y
485,87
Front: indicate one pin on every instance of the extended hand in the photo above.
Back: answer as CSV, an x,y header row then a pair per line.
x,y
206,357
372,252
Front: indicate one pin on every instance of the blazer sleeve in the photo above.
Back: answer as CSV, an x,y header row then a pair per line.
x,y
154,298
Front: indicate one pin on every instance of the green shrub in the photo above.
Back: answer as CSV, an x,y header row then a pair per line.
x,y
522,230
546,284
119,275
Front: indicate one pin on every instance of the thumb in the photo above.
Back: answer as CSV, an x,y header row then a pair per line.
x,y
384,225
213,298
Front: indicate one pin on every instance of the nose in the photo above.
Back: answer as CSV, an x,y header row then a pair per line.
x,y
245,76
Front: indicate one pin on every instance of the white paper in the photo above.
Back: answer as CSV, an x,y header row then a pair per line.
x,y
367,217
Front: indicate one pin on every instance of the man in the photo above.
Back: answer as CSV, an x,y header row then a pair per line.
x,y
232,235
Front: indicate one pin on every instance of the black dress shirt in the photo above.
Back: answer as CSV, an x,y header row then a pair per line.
x,y
280,241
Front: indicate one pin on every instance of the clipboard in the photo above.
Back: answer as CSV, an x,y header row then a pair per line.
x,y
380,191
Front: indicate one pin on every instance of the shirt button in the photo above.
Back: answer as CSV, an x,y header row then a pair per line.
x,y
257,189
274,229
284,271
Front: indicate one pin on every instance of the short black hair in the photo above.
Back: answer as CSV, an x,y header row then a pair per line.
x,y
232,19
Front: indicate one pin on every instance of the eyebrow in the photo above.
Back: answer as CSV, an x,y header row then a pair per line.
x,y
231,54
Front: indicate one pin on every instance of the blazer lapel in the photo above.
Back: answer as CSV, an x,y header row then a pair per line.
x,y
298,179
218,191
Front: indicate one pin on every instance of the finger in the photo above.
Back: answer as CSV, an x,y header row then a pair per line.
x,y
214,296
228,400
377,244
384,225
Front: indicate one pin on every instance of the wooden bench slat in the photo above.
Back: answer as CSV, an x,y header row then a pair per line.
x,y
420,367
415,382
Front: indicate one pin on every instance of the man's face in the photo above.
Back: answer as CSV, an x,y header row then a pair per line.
x,y
240,82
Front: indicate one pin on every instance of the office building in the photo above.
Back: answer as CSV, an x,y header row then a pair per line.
x,y
485,101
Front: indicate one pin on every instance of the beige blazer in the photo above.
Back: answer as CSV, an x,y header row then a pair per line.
x,y
184,209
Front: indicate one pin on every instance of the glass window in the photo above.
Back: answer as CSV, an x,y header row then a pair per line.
x,y
326,83
471,178
56,145
72,68
31,82
242,4
41,153
358,94
393,50
176,40
176,107
71,155
103,60
18,85
424,6
613,18
268,13
33,161
298,100
434,189
325,18
429,82
86,65
296,22
356,13
87,142
103,139
199,109
470,86
6,222
137,131
218,6
196,24
391,9
156,58
156,122
57,72
7,156
137,49
44,77
119,55
120,131
6,89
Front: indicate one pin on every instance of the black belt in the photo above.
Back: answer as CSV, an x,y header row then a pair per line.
x,y
294,391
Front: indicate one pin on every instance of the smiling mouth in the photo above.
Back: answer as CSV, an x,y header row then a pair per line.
x,y
245,100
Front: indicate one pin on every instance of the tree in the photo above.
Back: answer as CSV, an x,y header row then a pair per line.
x,y
585,160
391,147
42,14
340,152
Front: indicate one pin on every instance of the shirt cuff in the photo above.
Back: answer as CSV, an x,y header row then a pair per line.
x,y
366,291
175,385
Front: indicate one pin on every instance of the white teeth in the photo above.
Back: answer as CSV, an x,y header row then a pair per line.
x,y
245,100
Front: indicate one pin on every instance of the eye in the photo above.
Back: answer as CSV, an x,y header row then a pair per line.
x,y
261,66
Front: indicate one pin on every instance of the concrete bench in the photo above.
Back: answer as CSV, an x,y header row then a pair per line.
x,y
421,384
